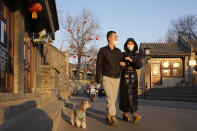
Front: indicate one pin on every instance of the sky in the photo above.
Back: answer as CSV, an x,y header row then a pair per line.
x,y
143,20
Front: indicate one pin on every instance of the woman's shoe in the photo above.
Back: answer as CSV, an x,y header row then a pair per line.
x,y
136,119
126,118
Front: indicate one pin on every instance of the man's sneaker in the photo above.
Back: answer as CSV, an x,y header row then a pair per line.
x,y
114,121
108,118
136,119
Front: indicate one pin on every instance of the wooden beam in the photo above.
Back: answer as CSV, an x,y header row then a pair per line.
x,y
50,18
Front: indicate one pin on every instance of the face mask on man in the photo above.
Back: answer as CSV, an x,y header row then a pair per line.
x,y
130,47
115,42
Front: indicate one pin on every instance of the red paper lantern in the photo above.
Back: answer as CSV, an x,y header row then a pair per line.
x,y
69,30
89,38
71,46
97,38
74,56
35,8
78,30
85,22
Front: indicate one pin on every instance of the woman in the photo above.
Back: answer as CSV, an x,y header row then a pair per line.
x,y
129,81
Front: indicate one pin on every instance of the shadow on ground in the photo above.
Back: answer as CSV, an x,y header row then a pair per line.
x,y
26,117
91,112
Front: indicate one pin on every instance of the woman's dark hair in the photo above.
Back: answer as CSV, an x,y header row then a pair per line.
x,y
109,33
135,46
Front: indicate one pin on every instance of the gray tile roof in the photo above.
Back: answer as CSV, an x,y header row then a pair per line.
x,y
164,49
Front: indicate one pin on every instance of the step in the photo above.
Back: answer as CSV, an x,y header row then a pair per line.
x,y
172,90
163,93
172,99
163,89
14,108
6,97
45,118
172,95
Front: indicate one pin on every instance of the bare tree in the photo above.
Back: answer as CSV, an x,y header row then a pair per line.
x,y
91,52
187,26
90,59
82,31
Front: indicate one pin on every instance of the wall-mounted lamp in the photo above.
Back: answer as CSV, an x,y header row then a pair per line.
x,y
192,62
147,53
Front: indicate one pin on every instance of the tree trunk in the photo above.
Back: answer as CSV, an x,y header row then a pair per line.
x,y
78,67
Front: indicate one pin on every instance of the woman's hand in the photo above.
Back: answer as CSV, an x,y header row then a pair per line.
x,y
128,58
123,64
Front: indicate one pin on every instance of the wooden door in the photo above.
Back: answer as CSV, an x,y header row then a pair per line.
x,y
27,62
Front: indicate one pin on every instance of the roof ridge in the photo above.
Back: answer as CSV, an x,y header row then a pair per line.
x,y
158,43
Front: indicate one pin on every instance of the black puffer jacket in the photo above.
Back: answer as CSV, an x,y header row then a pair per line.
x,y
129,80
108,63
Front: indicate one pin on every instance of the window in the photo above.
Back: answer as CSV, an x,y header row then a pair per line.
x,y
166,64
166,72
2,31
3,24
172,68
166,68
177,69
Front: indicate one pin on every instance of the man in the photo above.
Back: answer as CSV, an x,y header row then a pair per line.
x,y
108,70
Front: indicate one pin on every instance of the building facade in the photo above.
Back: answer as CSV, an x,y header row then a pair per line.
x,y
169,64
20,55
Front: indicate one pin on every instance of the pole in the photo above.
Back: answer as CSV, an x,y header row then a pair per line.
x,y
67,63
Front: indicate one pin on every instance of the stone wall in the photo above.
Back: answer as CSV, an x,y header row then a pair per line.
x,y
141,81
49,81
37,61
55,58
144,76
171,82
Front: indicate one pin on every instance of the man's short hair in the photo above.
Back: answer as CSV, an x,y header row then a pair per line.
x,y
109,34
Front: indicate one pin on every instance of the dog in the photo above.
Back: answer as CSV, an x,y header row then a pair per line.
x,y
79,114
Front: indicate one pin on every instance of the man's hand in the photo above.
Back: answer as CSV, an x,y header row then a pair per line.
x,y
123,64
128,58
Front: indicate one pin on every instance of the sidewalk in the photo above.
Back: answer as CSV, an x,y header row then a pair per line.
x,y
157,116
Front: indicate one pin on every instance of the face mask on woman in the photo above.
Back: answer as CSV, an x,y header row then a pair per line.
x,y
130,47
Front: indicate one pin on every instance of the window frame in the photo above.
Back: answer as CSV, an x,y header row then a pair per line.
x,y
171,68
3,18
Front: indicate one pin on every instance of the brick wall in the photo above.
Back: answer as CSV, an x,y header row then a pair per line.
x,y
18,49
48,81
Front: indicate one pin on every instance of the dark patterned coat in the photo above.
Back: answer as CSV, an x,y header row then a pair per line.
x,y
129,83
